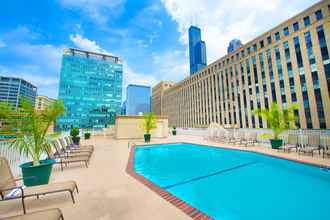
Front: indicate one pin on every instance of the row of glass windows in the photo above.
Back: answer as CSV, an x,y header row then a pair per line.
x,y
224,77
277,36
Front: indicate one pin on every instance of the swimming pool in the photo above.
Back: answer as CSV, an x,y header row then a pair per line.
x,y
231,184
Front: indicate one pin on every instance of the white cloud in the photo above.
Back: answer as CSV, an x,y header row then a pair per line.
x,y
98,10
86,44
132,77
2,44
170,65
222,20
47,56
46,84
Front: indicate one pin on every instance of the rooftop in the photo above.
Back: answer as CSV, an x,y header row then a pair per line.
x,y
106,191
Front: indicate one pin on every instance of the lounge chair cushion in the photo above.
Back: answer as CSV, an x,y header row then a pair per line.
x,y
72,159
49,214
49,188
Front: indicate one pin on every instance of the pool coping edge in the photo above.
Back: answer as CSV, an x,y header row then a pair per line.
x,y
177,202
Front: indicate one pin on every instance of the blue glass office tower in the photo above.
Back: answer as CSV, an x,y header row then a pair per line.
x,y
233,45
91,88
197,50
138,99
13,88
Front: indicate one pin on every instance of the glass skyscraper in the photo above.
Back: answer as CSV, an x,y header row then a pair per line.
x,y
233,45
13,88
197,50
91,89
138,99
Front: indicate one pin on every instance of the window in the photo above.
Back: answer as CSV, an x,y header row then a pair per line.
x,y
286,31
318,15
329,8
269,39
295,26
277,36
254,47
307,21
261,44
248,50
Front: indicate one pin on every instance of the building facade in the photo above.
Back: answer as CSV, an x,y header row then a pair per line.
x,y
91,89
42,102
197,50
234,45
138,99
13,88
157,96
288,64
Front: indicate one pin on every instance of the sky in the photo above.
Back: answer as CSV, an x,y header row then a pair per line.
x,y
149,35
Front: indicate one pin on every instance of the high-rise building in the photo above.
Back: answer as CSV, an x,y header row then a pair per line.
x,y
42,102
287,64
197,50
234,45
91,89
12,89
137,99
157,96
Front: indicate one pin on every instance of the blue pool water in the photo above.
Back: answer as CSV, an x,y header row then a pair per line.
x,y
231,184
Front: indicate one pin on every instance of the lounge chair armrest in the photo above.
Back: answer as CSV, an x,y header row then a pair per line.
x,y
11,188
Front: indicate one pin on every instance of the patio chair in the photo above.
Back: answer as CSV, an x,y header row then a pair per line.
x,y
313,144
61,146
49,214
292,143
250,139
64,160
72,146
326,146
9,183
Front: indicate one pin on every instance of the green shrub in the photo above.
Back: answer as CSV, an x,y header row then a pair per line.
x,y
74,132
87,136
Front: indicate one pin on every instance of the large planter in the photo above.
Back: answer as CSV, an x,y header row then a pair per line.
x,y
76,140
37,175
147,137
276,143
174,132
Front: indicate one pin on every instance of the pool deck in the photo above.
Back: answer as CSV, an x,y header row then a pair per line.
x,y
108,192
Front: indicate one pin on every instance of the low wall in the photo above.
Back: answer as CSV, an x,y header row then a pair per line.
x,y
129,127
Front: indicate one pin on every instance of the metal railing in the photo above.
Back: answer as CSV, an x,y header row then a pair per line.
x,y
13,156
211,132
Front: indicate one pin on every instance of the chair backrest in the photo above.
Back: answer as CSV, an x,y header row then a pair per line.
x,y
314,140
6,176
51,151
57,147
63,143
69,140
325,141
292,139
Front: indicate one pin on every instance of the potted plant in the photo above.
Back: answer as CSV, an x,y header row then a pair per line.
x,y
31,137
174,130
87,135
279,121
149,123
74,133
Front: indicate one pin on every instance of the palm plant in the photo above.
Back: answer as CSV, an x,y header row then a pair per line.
x,y
150,122
29,127
278,120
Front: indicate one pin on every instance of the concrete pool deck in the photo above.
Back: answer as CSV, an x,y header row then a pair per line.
x,y
108,192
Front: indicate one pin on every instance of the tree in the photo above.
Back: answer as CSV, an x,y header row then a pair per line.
x,y
29,127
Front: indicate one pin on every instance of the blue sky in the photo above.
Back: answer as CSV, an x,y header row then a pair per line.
x,y
149,35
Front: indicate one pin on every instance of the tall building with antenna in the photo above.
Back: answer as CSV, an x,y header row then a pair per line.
x,y
197,50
